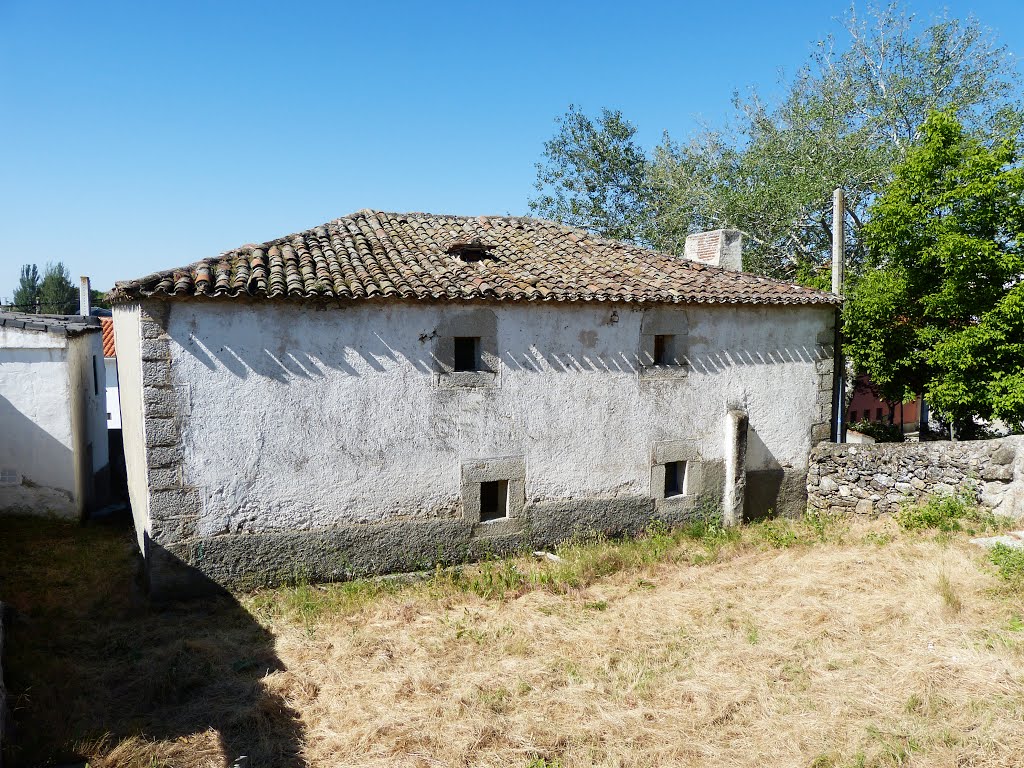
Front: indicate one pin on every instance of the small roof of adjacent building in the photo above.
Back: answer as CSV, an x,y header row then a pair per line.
x,y
107,324
373,254
60,325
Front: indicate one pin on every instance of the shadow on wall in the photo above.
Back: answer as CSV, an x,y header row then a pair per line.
x,y
41,460
98,673
771,490
284,359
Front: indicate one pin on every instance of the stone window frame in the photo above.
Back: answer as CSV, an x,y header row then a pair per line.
x,y
478,323
511,469
664,321
668,451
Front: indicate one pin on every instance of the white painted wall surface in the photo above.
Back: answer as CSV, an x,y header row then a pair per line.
x,y
113,397
89,396
37,445
129,374
302,417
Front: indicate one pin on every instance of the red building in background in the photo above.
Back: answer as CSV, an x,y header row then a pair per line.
x,y
866,405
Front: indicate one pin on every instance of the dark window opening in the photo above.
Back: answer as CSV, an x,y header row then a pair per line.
x,y
95,376
467,353
493,500
878,414
675,478
664,350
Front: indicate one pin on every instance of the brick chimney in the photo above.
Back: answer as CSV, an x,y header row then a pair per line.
x,y
718,248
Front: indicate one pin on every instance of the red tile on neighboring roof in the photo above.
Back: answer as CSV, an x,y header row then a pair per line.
x,y
108,337
373,254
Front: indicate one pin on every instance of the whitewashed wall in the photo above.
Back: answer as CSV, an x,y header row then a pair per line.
x,y
298,417
129,374
37,447
53,451
88,397
113,400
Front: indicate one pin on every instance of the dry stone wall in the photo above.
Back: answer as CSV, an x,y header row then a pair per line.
x,y
879,478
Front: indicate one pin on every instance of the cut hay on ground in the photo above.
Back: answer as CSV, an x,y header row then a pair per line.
x,y
788,645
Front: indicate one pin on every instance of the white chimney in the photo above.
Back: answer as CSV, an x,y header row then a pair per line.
x,y
84,301
719,248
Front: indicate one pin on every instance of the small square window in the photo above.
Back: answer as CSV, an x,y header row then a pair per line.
x,y
665,349
467,353
493,500
8,477
675,478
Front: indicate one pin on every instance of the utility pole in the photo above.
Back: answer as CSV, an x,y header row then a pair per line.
x,y
838,266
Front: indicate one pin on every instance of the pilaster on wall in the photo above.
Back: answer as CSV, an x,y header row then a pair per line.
x,y
174,507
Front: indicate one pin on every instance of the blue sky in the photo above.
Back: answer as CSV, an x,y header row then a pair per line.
x,y
140,136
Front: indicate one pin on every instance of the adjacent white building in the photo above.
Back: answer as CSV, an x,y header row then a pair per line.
x,y
389,391
113,400
53,435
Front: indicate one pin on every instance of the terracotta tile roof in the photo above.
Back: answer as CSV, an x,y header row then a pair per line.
x,y
109,350
372,254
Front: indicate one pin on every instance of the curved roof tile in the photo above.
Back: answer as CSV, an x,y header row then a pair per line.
x,y
371,254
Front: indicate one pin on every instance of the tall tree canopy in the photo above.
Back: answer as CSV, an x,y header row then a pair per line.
x,y
27,292
57,294
596,176
848,117
941,311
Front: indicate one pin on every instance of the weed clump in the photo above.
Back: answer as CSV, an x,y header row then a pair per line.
x,y
1010,562
949,514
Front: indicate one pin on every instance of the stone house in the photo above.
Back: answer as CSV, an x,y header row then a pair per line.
x,y
388,391
53,435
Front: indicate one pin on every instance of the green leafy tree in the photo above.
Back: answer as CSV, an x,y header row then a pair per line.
x,y
846,120
27,292
57,295
98,299
595,176
941,310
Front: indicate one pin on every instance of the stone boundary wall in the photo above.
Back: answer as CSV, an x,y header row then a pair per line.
x,y
879,478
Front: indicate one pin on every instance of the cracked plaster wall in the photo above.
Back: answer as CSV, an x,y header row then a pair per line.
x,y
264,418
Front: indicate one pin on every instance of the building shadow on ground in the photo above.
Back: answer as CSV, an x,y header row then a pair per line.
x,y
97,673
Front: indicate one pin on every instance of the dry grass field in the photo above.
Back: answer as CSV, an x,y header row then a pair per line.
x,y
819,643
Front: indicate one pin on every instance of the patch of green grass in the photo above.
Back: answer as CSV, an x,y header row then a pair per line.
x,y
310,603
1010,562
779,534
943,513
894,749
879,539
950,597
914,704
950,514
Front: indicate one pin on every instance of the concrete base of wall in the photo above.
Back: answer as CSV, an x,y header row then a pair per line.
x,y
250,560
